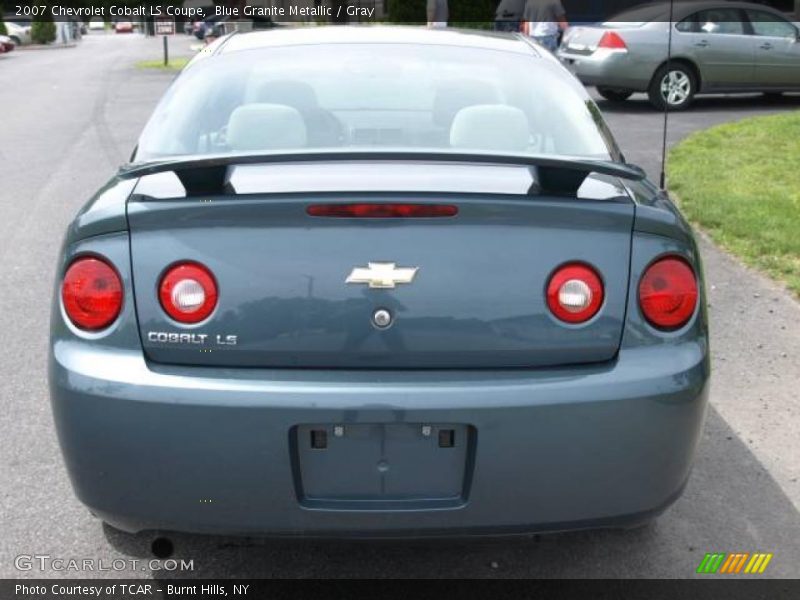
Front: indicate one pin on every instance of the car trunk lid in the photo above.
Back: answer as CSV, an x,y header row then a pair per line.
x,y
295,290
586,40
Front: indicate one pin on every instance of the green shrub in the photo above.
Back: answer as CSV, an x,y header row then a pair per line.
x,y
407,11
43,32
463,13
3,30
472,13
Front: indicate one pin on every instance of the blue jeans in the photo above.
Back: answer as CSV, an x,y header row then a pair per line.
x,y
548,41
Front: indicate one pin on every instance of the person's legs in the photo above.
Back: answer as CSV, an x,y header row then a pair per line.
x,y
548,41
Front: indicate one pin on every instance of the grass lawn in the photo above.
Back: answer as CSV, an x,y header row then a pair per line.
x,y
175,64
741,183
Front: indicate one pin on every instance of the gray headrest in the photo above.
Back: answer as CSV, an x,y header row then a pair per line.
x,y
490,127
296,94
266,127
454,95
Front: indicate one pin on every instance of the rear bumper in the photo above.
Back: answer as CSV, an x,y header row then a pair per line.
x,y
210,450
609,69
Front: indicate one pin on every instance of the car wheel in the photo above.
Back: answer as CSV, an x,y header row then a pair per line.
x,y
614,94
673,87
16,40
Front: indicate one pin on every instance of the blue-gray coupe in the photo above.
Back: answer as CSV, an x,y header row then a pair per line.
x,y
378,281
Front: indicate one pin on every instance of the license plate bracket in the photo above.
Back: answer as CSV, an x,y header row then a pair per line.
x,y
379,465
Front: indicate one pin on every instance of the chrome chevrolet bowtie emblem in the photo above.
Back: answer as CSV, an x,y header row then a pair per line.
x,y
379,275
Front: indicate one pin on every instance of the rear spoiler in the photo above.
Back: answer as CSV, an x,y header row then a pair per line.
x,y
554,175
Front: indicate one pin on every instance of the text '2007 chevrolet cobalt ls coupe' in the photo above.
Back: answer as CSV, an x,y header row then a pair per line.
x,y
378,281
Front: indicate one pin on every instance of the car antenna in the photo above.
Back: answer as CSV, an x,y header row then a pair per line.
x,y
663,179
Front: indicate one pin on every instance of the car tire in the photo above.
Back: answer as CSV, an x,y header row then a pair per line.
x,y
614,94
673,87
16,40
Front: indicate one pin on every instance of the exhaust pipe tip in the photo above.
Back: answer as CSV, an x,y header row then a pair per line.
x,y
162,547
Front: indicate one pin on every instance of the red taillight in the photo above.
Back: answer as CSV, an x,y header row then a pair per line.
x,y
91,293
382,210
188,292
575,293
611,39
668,293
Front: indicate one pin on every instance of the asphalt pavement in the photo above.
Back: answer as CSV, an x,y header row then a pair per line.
x,y
71,116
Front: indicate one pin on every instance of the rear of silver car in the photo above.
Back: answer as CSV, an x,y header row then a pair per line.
x,y
618,55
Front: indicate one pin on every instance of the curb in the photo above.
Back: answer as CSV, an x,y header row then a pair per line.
x,y
45,46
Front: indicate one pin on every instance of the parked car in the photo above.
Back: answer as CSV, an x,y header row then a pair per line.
x,y
20,34
77,29
218,25
97,25
7,43
716,47
123,27
206,27
197,29
378,281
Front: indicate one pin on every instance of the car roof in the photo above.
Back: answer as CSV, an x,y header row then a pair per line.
x,y
684,8
375,34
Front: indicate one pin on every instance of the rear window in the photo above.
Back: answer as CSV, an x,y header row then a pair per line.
x,y
375,96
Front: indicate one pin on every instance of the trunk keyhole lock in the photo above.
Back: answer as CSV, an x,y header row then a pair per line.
x,y
382,318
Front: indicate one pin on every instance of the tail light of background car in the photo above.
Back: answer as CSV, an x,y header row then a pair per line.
x,y
668,293
91,293
575,293
188,292
612,40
